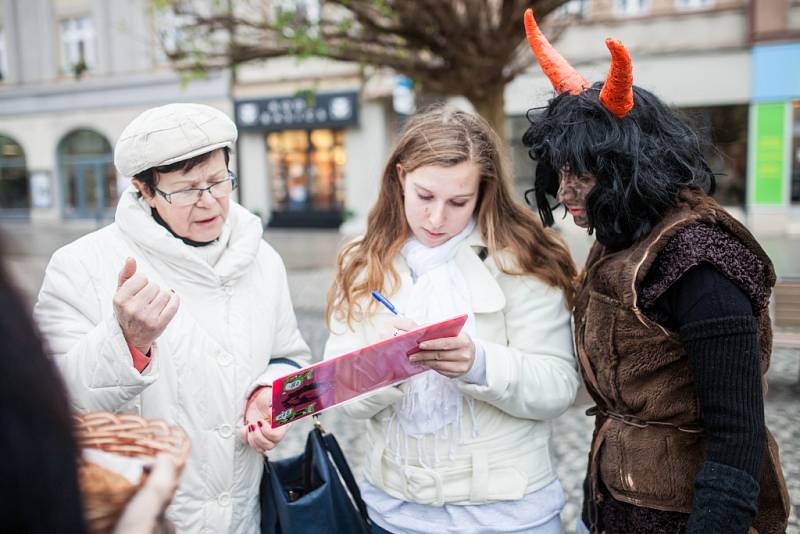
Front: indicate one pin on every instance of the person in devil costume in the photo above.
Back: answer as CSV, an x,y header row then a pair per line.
x,y
672,328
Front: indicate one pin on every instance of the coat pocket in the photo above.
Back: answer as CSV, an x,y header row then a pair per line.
x,y
651,466
599,344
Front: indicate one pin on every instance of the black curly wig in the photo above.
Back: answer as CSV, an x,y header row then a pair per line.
x,y
642,162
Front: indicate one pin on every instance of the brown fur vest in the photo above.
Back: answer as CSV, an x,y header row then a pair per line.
x,y
648,445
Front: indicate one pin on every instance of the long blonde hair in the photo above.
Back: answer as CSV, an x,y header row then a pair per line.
x,y
444,137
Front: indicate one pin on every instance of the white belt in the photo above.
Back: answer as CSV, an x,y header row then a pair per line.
x,y
515,472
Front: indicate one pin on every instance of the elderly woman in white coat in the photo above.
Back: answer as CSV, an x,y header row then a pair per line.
x,y
464,448
179,311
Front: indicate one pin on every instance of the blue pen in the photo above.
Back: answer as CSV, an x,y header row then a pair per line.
x,y
383,300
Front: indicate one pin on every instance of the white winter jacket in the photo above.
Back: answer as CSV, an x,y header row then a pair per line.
x,y
235,329
531,377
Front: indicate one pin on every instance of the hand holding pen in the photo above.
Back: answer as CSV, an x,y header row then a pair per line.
x,y
386,302
450,357
401,324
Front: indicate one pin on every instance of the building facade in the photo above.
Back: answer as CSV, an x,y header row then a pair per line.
x,y
775,115
313,136
73,73
731,66
314,133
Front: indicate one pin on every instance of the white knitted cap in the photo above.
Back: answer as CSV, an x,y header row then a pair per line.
x,y
171,133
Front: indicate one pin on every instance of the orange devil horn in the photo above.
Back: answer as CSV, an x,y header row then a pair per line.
x,y
562,75
617,92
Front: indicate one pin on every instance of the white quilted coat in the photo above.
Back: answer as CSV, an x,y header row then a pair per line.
x,y
235,329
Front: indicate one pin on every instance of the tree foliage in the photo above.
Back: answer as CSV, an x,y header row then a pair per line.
x,y
472,48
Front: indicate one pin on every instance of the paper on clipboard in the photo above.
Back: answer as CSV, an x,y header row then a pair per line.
x,y
328,383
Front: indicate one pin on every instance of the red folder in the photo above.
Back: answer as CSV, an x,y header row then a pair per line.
x,y
330,382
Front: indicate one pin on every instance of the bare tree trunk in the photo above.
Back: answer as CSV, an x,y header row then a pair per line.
x,y
490,106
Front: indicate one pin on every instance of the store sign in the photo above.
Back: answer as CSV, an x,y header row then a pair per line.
x,y
325,110
769,153
776,72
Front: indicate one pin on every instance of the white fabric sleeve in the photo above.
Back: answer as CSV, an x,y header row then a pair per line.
x,y
533,375
289,350
476,373
89,350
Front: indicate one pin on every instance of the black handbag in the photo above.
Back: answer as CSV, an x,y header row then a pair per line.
x,y
305,494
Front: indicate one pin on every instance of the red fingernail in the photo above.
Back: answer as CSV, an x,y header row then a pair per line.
x,y
251,428
260,424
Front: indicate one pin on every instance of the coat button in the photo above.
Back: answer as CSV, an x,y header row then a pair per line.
x,y
224,359
225,430
224,499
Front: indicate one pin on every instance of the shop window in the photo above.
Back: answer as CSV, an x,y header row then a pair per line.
x,y
307,169
523,166
88,176
795,194
170,35
573,9
307,10
14,193
77,45
631,8
688,5
724,128
3,58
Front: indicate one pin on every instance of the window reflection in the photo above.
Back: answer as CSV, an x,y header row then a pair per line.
x,y
307,169
725,127
88,175
13,176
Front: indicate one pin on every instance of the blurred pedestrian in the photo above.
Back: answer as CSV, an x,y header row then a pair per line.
x,y
465,448
672,327
179,311
39,493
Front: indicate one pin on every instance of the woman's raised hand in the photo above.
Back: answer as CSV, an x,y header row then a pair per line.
x,y
143,309
449,356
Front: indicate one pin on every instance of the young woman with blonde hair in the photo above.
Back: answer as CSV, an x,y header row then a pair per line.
x,y
464,448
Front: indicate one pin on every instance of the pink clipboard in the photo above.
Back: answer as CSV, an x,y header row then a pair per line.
x,y
330,382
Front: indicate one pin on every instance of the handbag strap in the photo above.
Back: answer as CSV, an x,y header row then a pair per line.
x,y
347,475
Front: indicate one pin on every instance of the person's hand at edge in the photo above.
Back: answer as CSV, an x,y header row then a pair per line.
x,y
144,513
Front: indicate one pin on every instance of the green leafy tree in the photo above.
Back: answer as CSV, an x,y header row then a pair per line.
x,y
472,48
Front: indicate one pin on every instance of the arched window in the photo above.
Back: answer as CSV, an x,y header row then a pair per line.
x,y
88,178
14,195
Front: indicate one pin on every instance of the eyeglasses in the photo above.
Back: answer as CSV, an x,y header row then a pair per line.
x,y
187,197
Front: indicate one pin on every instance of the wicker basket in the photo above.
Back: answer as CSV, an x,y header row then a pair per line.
x,y
106,493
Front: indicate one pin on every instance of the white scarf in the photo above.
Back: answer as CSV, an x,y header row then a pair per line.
x,y
229,258
433,401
